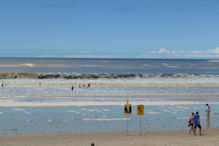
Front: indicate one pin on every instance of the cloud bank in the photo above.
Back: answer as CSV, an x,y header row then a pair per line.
x,y
172,53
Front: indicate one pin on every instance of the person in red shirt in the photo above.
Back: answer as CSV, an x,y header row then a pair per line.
x,y
191,124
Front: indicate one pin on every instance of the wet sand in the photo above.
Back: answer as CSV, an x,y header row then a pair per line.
x,y
210,137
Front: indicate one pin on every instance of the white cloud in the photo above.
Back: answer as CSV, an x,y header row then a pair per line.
x,y
214,50
177,52
85,51
92,56
163,50
196,52
166,51
79,56
171,53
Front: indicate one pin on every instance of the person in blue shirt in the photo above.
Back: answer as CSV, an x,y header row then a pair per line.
x,y
197,122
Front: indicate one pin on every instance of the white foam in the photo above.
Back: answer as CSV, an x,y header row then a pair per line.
x,y
1,112
166,111
182,110
137,82
88,65
18,110
8,65
20,96
106,119
72,111
103,92
22,110
92,110
28,113
182,118
182,107
186,107
28,64
153,113
170,65
92,103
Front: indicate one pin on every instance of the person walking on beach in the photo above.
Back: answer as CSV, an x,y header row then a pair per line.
x,y
197,123
191,124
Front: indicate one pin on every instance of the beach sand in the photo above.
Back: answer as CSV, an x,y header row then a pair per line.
x,y
210,137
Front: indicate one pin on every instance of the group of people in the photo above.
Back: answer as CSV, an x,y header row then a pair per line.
x,y
81,86
194,121
84,85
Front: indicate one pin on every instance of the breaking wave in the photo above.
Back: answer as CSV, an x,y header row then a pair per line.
x,y
95,76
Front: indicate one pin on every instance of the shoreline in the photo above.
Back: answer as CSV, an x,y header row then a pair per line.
x,y
158,138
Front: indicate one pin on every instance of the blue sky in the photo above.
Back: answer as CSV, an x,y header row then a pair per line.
x,y
109,28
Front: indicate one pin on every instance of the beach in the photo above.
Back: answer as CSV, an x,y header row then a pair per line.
x,y
210,137
39,107
109,73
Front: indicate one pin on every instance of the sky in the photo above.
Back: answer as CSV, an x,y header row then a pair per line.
x,y
110,28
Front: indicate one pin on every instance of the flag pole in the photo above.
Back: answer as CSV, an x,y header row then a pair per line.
x,y
140,125
127,115
127,125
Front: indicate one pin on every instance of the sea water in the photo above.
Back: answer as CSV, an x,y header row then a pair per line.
x,y
49,106
55,120
81,65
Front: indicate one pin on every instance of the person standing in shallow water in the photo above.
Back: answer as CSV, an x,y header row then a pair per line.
x,y
191,124
208,110
2,85
72,88
197,123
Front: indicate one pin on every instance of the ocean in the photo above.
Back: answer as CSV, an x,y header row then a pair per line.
x,y
117,66
169,89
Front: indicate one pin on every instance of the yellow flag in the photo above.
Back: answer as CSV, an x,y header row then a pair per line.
x,y
127,103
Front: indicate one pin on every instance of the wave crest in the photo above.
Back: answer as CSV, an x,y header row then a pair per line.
x,y
95,76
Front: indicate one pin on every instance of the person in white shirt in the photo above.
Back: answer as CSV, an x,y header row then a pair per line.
x,y
208,108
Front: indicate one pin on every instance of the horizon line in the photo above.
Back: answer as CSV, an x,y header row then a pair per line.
x,y
111,58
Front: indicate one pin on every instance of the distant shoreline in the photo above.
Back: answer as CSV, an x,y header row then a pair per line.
x,y
120,58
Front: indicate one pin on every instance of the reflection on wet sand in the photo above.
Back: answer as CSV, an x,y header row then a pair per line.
x,y
208,122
